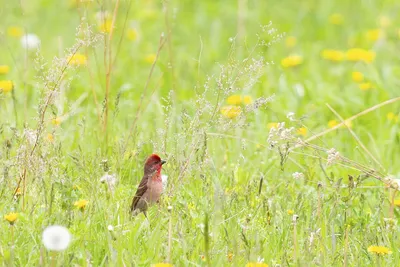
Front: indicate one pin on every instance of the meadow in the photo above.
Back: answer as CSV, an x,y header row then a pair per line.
x,y
279,121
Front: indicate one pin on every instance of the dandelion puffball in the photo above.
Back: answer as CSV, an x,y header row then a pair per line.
x,y
30,41
56,238
164,179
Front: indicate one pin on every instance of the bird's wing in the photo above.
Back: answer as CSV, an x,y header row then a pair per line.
x,y
142,188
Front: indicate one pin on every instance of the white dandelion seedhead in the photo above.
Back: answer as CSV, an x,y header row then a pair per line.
x,y
110,180
164,179
30,41
56,238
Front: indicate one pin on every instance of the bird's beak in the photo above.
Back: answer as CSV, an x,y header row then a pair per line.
x,y
163,162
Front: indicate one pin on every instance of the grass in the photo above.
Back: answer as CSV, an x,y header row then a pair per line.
x,y
156,83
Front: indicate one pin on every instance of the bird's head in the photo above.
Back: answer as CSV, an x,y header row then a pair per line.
x,y
153,163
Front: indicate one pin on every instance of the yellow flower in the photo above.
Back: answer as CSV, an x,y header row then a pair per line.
x,y
397,202
4,69
290,212
105,25
18,192
150,58
332,123
203,258
332,55
379,250
77,59
162,265
231,111
230,256
357,76
56,121
237,100
247,100
336,19
365,86
6,86
81,204
50,138
290,41
15,31
256,264
132,34
272,125
359,54
291,61
392,117
384,21
374,35
11,217
302,131
234,100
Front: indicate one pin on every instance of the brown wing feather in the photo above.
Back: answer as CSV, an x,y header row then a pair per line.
x,y
139,192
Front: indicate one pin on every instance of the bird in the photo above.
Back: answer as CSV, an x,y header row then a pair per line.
x,y
151,186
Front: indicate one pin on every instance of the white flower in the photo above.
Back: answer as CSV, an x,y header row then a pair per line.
x,y
298,175
30,41
333,156
290,116
110,228
56,238
164,179
110,180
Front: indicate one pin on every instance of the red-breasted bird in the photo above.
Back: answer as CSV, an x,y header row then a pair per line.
x,y
150,188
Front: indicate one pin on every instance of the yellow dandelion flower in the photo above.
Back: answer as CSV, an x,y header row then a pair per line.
x,y
203,258
56,121
302,131
77,59
272,125
332,55
11,217
132,34
50,138
336,19
162,264
290,41
105,25
229,256
392,117
6,86
81,204
15,31
365,86
247,100
385,22
290,212
150,58
234,100
291,61
4,69
359,54
397,202
374,35
256,264
379,250
231,111
357,76
332,123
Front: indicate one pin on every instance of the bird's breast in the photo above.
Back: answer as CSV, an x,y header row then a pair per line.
x,y
154,190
